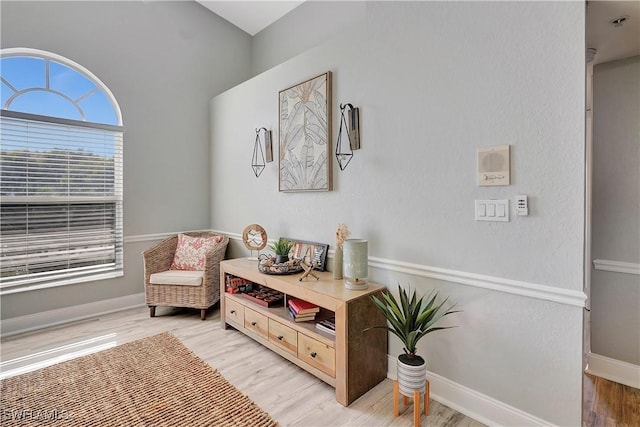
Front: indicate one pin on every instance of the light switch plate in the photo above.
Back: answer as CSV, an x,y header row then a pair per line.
x,y
492,210
522,205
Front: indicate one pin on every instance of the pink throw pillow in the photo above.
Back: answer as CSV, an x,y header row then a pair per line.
x,y
191,252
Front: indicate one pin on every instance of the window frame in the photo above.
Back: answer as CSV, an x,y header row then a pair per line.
x,y
57,276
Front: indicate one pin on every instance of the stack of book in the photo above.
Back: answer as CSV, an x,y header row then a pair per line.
x,y
236,285
302,311
327,325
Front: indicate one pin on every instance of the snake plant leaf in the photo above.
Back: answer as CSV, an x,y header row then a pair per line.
x,y
389,315
431,299
404,300
393,305
412,341
411,318
423,333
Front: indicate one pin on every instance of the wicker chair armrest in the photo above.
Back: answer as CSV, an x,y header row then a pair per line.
x,y
212,263
159,257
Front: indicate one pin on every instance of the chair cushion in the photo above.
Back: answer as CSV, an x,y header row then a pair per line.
x,y
191,252
177,277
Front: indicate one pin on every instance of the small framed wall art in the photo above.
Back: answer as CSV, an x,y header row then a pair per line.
x,y
305,132
310,253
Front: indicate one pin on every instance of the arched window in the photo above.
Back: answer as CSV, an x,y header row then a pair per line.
x,y
60,173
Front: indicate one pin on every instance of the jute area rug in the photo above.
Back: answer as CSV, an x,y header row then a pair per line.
x,y
155,381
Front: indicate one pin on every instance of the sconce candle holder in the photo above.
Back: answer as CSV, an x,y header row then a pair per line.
x,y
350,128
258,160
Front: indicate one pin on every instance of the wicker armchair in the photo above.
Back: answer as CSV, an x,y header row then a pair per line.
x,y
158,259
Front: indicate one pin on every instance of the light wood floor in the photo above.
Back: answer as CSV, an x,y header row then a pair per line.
x,y
289,394
606,403
610,404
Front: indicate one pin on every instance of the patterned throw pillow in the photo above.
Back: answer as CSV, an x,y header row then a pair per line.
x,y
191,251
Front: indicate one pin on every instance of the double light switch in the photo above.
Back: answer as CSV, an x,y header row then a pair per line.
x,y
492,210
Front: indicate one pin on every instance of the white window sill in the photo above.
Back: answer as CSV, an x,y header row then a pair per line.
x,y
84,279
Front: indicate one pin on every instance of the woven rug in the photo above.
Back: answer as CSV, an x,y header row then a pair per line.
x,y
155,381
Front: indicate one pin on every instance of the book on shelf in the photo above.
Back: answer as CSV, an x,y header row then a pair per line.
x,y
326,329
300,318
235,285
302,306
329,323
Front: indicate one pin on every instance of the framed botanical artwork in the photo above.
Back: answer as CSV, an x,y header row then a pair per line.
x,y
310,252
305,135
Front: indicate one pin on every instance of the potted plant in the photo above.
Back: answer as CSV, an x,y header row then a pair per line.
x,y
411,319
282,247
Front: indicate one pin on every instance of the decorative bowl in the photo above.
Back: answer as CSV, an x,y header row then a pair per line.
x,y
267,265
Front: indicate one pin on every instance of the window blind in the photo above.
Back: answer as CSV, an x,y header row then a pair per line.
x,y
60,201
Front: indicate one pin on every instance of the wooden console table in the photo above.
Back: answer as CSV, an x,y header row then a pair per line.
x,y
353,361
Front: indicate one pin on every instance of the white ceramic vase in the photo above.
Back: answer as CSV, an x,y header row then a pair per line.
x,y
412,374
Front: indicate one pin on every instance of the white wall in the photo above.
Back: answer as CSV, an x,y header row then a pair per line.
x,y
163,61
434,81
615,296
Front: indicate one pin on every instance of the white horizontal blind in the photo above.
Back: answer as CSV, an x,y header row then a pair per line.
x,y
60,201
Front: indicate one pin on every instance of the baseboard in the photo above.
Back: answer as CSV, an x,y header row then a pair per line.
x,y
614,370
473,404
31,322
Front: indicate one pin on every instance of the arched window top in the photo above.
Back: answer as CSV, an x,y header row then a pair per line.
x,y
43,83
61,180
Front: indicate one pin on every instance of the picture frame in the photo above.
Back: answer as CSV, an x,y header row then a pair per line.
x,y
304,120
318,252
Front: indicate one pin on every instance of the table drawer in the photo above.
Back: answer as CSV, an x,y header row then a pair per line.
x,y
283,336
234,312
317,354
256,322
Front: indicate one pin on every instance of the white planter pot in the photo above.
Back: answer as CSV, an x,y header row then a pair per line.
x,y
412,375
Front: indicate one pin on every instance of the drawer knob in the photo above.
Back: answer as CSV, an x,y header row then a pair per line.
x,y
314,354
280,337
254,323
232,312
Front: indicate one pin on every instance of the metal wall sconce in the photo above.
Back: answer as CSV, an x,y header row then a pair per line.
x,y
350,119
258,160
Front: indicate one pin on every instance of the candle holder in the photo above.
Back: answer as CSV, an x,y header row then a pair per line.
x,y
349,135
356,264
258,161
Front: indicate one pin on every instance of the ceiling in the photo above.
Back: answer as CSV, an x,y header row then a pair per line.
x,y
610,42
613,42
251,16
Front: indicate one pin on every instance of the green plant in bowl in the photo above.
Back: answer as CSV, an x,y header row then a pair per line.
x,y
281,247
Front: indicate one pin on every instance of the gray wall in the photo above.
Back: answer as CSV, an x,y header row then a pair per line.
x,y
163,61
615,297
434,81
306,26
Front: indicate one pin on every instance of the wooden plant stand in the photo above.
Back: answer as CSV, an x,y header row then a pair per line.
x,y
416,401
